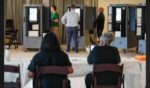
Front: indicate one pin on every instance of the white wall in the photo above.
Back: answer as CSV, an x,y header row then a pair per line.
x,y
105,4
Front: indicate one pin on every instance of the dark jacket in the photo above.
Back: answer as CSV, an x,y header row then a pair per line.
x,y
105,55
99,22
46,58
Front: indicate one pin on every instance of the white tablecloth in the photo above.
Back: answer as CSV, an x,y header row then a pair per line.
x,y
134,72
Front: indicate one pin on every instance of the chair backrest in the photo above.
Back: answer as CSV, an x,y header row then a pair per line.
x,y
51,70
108,68
12,69
10,23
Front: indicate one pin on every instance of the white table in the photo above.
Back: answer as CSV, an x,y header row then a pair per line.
x,y
134,73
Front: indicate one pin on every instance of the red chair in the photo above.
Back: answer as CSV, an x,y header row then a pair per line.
x,y
51,70
12,69
108,68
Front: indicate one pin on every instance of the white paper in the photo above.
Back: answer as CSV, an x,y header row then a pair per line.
x,y
117,34
139,12
92,46
33,14
33,33
138,32
35,27
118,14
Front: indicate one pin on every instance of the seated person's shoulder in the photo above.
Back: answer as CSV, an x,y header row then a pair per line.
x,y
98,47
63,53
105,47
38,54
114,47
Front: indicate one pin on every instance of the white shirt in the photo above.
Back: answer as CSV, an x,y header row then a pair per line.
x,y
70,19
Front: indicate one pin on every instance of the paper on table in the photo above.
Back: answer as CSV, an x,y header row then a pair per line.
x,y
33,34
117,34
139,31
35,27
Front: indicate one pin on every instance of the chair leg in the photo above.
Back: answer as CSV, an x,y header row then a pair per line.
x,y
13,40
123,80
10,41
18,83
15,43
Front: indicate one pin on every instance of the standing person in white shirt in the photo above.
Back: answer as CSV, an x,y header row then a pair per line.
x,y
71,20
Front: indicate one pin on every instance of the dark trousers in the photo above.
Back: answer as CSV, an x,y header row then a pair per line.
x,y
88,80
72,32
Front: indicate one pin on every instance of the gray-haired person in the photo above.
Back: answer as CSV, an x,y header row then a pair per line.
x,y
71,20
107,38
103,54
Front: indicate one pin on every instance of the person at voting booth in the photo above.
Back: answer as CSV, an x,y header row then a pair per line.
x,y
54,20
50,56
71,20
99,22
103,54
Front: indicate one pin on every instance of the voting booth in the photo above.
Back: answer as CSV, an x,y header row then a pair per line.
x,y
122,21
35,25
87,18
141,28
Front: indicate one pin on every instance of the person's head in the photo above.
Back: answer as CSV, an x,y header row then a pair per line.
x,y
53,8
107,38
72,7
50,42
101,9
